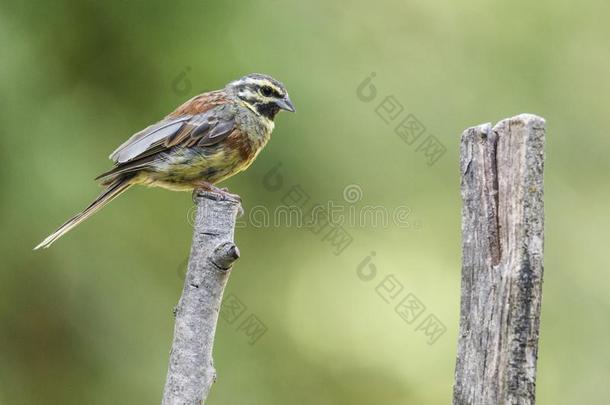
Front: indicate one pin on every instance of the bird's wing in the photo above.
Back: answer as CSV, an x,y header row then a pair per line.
x,y
195,120
202,129
140,150
143,140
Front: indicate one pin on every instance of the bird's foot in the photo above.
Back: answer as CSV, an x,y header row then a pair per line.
x,y
222,192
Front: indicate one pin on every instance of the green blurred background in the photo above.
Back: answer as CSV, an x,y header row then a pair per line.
x,y
90,321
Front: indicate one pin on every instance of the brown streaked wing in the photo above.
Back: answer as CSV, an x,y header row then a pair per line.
x,y
202,129
143,140
146,142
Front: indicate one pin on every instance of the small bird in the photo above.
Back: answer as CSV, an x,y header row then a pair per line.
x,y
206,140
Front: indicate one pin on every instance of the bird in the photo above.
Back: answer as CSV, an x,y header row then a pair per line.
x,y
204,141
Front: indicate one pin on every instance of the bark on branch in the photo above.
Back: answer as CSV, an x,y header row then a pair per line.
x,y
191,371
502,252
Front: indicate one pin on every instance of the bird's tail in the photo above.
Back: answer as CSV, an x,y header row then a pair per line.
x,y
112,190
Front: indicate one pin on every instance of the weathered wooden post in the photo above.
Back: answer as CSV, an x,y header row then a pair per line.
x,y
502,262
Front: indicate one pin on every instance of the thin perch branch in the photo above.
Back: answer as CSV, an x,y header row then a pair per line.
x,y
191,371
502,252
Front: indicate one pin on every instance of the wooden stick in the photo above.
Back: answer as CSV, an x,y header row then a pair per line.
x,y
191,371
502,262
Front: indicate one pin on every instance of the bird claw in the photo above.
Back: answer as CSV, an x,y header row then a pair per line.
x,y
222,192
225,193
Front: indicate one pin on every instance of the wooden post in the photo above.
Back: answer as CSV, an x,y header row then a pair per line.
x,y
502,262
191,371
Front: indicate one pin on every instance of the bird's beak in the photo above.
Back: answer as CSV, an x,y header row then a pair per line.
x,y
286,104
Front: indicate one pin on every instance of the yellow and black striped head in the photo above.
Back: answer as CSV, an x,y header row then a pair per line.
x,y
262,94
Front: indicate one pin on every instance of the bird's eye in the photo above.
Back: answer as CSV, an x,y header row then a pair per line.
x,y
267,91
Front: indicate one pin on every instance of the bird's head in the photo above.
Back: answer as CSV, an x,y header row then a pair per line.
x,y
262,94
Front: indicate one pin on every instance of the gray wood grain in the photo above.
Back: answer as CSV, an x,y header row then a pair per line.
x,y
191,371
502,261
